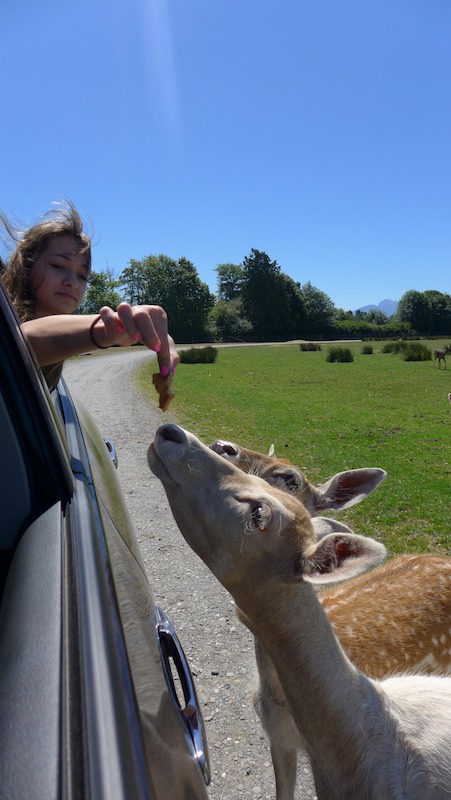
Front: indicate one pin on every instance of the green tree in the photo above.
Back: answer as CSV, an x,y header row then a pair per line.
x,y
147,281
319,310
428,313
176,286
101,291
272,301
377,316
293,319
188,304
340,314
227,322
440,312
413,308
230,279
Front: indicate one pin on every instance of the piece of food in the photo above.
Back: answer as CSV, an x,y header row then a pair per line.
x,y
163,387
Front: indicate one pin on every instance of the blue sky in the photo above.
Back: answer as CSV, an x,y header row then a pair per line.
x,y
318,131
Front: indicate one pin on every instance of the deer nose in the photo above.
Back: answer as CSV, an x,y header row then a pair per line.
x,y
224,448
172,433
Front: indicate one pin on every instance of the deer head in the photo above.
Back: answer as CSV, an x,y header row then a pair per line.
x,y
343,490
241,526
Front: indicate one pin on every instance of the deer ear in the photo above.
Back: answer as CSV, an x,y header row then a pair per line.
x,y
345,489
339,556
324,525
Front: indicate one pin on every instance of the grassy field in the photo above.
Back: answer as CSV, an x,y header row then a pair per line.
x,y
377,411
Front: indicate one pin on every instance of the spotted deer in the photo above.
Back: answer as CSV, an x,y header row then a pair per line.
x,y
415,639
440,355
367,739
384,629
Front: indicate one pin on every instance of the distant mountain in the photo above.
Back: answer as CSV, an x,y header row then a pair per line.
x,y
387,306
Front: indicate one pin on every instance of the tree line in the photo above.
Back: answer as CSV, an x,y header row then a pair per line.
x,y
256,301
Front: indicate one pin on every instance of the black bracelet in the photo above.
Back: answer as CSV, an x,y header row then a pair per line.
x,y
91,335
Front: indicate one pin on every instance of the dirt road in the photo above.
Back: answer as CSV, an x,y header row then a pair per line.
x,y
218,647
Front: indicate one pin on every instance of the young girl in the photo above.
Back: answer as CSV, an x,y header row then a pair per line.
x,y
46,277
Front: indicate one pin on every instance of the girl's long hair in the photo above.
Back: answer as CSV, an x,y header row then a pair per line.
x,y
63,220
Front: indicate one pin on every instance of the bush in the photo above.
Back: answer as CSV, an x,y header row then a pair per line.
x,y
340,354
309,346
415,351
394,347
198,355
367,350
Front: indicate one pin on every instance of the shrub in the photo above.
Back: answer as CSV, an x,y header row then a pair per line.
x,y
394,347
367,350
198,355
309,346
415,351
340,354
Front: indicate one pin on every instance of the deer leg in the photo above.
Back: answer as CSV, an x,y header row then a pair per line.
x,y
285,765
285,740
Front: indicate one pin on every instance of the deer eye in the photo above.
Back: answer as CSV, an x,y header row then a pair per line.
x,y
259,516
288,481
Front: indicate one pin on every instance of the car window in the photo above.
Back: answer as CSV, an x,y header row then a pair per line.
x,y
34,468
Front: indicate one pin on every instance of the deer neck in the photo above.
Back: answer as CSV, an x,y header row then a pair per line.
x,y
331,700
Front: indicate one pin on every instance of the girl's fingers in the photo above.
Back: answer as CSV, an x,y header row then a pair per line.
x,y
111,321
147,324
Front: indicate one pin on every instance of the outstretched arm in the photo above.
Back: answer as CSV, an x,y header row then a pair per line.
x,y
60,336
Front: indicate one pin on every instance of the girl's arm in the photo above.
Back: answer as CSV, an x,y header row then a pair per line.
x,y
55,338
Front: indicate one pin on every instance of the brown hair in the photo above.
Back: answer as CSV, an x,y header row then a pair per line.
x,y
64,220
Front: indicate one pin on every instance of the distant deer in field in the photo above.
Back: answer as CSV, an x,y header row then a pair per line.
x,y
414,639
440,355
366,739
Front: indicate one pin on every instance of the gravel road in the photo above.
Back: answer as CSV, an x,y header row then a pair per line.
x,y
219,649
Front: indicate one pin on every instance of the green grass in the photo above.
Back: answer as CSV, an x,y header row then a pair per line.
x,y
326,417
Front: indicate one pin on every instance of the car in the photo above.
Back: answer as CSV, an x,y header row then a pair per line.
x,y
96,696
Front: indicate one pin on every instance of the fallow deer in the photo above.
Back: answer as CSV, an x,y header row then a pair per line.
x,y
440,355
384,628
366,739
414,639
343,490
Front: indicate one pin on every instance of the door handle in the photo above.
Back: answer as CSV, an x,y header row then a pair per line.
x,y
171,651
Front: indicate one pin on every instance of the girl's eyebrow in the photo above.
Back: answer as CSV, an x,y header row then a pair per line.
x,y
67,257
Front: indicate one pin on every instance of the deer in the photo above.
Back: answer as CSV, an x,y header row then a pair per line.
x,y
378,644
440,355
366,739
415,639
341,491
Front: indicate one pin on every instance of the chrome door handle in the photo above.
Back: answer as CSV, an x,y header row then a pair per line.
x,y
112,451
171,650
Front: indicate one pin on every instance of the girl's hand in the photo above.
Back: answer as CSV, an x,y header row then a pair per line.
x,y
146,324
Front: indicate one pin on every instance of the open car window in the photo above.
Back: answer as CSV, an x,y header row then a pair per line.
x,y
34,467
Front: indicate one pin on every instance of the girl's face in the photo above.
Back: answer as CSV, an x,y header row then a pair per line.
x,y
59,277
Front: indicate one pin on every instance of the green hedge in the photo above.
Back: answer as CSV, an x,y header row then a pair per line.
x,y
198,355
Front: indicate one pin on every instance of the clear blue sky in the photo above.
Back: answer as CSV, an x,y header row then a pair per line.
x,y
318,131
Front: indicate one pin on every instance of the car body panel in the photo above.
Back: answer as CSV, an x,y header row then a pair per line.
x,y
88,706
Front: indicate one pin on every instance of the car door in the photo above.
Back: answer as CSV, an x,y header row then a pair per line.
x,y
96,698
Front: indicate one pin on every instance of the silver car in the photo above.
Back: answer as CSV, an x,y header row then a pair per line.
x,y
96,696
